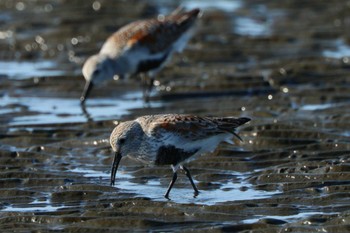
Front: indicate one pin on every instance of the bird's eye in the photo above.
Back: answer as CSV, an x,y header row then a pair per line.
x,y
121,141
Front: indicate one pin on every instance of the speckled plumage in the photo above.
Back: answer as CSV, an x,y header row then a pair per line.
x,y
141,46
171,139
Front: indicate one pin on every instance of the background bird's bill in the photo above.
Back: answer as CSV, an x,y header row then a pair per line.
x,y
87,88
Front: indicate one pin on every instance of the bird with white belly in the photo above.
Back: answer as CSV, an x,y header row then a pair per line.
x,y
142,46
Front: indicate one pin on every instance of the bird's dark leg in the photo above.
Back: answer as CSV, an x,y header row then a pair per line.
x,y
172,182
188,174
147,85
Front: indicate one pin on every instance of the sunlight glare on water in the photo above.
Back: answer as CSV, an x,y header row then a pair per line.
x,y
251,27
35,206
224,5
91,173
26,69
57,110
288,218
341,50
322,106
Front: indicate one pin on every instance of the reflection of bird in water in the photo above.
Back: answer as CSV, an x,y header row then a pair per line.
x,y
171,139
140,47
86,113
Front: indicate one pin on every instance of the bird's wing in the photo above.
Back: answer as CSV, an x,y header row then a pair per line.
x,y
229,124
157,35
185,127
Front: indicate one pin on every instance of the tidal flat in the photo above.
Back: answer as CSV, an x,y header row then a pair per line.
x,y
284,64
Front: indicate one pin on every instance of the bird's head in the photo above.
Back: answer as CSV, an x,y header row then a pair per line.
x,y
125,139
96,69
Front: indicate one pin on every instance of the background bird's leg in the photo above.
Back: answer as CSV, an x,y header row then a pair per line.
x,y
86,113
172,182
147,82
188,174
150,84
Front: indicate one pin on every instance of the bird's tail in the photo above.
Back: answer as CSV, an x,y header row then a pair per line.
x,y
229,124
184,19
177,11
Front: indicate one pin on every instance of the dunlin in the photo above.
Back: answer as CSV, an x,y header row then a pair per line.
x,y
171,139
142,46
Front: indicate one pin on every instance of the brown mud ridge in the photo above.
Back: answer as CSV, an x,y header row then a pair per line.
x,y
284,64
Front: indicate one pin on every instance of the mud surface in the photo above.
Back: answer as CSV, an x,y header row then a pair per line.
x,y
285,64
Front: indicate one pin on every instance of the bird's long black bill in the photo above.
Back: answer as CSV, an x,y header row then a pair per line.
x,y
115,165
87,88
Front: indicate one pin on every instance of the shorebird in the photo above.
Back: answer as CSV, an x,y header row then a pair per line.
x,y
142,46
171,139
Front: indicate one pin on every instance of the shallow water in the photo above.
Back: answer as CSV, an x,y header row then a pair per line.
x,y
69,110
283,65
341,50
26,69
152,188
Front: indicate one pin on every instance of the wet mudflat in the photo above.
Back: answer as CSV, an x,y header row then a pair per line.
x,y
285,64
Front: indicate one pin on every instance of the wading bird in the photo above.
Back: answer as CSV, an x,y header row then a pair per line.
x,y
171,139
142,46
